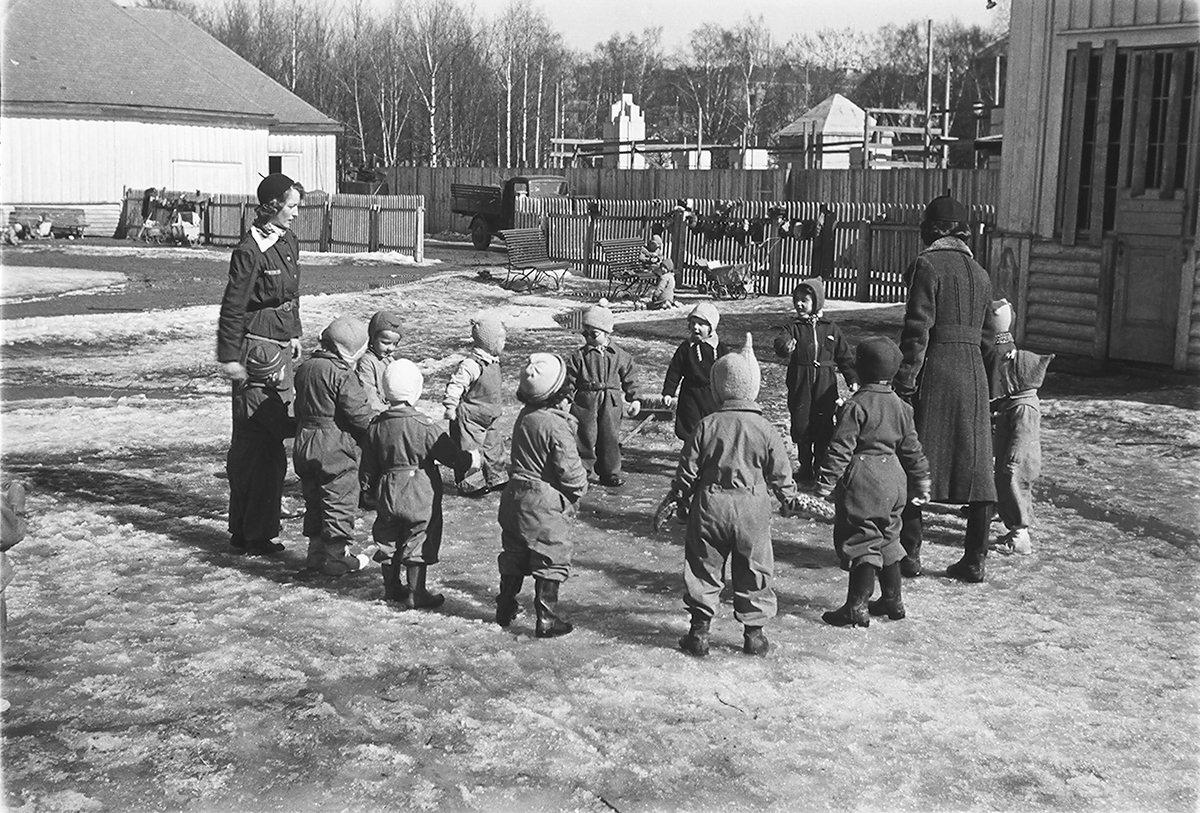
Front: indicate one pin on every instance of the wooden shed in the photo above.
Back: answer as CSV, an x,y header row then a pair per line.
x,y
1099,174
826,136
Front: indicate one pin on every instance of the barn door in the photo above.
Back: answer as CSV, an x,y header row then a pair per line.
x,y
1146,284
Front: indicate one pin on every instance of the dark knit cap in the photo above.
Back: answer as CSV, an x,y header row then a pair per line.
x,y
274,187
945,207
263,361
877,359
383,320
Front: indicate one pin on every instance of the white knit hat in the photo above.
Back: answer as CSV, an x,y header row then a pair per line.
x,y
544,374
487,333
706,312
599,317
403,382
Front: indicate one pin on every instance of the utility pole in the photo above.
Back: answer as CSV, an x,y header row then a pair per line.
x,y
946,120
928,90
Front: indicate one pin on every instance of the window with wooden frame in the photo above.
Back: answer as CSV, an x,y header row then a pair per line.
x,y
1127,121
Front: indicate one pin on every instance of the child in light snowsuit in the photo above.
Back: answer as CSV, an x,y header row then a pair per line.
x,y
663,294
874,462
332,415
384,334
1018,445
728,471
690,368
601,375
400,468
474,403
540,501
813,346
257,462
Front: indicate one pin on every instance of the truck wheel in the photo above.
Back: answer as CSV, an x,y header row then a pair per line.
x,y
481,235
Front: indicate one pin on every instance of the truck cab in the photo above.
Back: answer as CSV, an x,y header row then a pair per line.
x,y
492,208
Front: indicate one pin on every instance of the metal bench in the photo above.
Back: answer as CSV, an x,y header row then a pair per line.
x,y
529,260
627,274
65,222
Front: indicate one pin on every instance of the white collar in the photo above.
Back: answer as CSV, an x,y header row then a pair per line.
x,y
266,235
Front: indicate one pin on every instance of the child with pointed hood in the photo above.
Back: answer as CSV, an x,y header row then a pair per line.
x,y
730,467
400,469
332,415
1017,430
813,346
689,372
474,403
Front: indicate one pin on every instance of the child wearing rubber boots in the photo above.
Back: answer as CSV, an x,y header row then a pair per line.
x,y
874,462
540,501
729,469
474,403
813,346
689,373
332,416
400,469
601,375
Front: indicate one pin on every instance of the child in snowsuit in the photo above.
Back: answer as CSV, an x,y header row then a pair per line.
x,y
540,501
400,469
813,345
602,377
474,403
729,469
332,415
1018,445
875,461
384,334
689,370
257,462
663,294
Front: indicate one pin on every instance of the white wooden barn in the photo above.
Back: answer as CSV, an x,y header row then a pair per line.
x,y
1099,170
96,98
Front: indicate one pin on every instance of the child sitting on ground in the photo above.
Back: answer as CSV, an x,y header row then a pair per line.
x,y
384,333
728,470
257,461
813,345
601,375
400,469
662,296
874,462
332,416
1018,444
690,369
540,501
474,403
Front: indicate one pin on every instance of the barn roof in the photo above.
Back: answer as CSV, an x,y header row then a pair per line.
x,y
834,114
93,59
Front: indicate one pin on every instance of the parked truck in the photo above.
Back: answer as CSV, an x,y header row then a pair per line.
x,y
491,208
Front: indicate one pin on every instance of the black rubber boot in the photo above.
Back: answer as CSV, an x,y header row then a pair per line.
x,y
971,567
393,590
911,539
549,623
696,641
754,641
507,606
854,612
889,603
418,597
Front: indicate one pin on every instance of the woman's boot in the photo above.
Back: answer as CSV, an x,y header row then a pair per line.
x,y
970,568
889,602
507,606
549,623
911,537
854,612
696,641
420,598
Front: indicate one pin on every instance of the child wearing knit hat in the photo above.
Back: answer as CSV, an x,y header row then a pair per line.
x,y
257,462
473,404
875,462
383,334
602,376
690,368
332,415
730,467
813,346
400,470
653,260
539,503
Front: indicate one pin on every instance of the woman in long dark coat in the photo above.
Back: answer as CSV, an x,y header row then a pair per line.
x,y
944,342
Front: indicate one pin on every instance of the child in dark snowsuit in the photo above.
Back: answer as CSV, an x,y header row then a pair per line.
x,y
813,346
602,377
730,467
689,370
400,468
1018,445
474,403
332,415
875,461
257,462
539,503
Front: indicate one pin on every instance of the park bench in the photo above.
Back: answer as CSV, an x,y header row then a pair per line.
x,y
529,263
627,274
64,221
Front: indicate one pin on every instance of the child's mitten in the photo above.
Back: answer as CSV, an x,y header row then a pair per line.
x,y
662,514
633,408
807,506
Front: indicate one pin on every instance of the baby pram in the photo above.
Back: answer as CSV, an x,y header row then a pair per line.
x,y
727,281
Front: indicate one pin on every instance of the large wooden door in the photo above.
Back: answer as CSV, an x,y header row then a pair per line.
x,y
1146,284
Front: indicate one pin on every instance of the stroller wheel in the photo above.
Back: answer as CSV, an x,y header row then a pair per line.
x,y
739,292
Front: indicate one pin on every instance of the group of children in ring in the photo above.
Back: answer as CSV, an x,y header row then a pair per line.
x,y
360,442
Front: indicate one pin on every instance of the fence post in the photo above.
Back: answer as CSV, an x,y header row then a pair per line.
x,y
678,237
419,248
863,286
775,255
589,240
326,225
